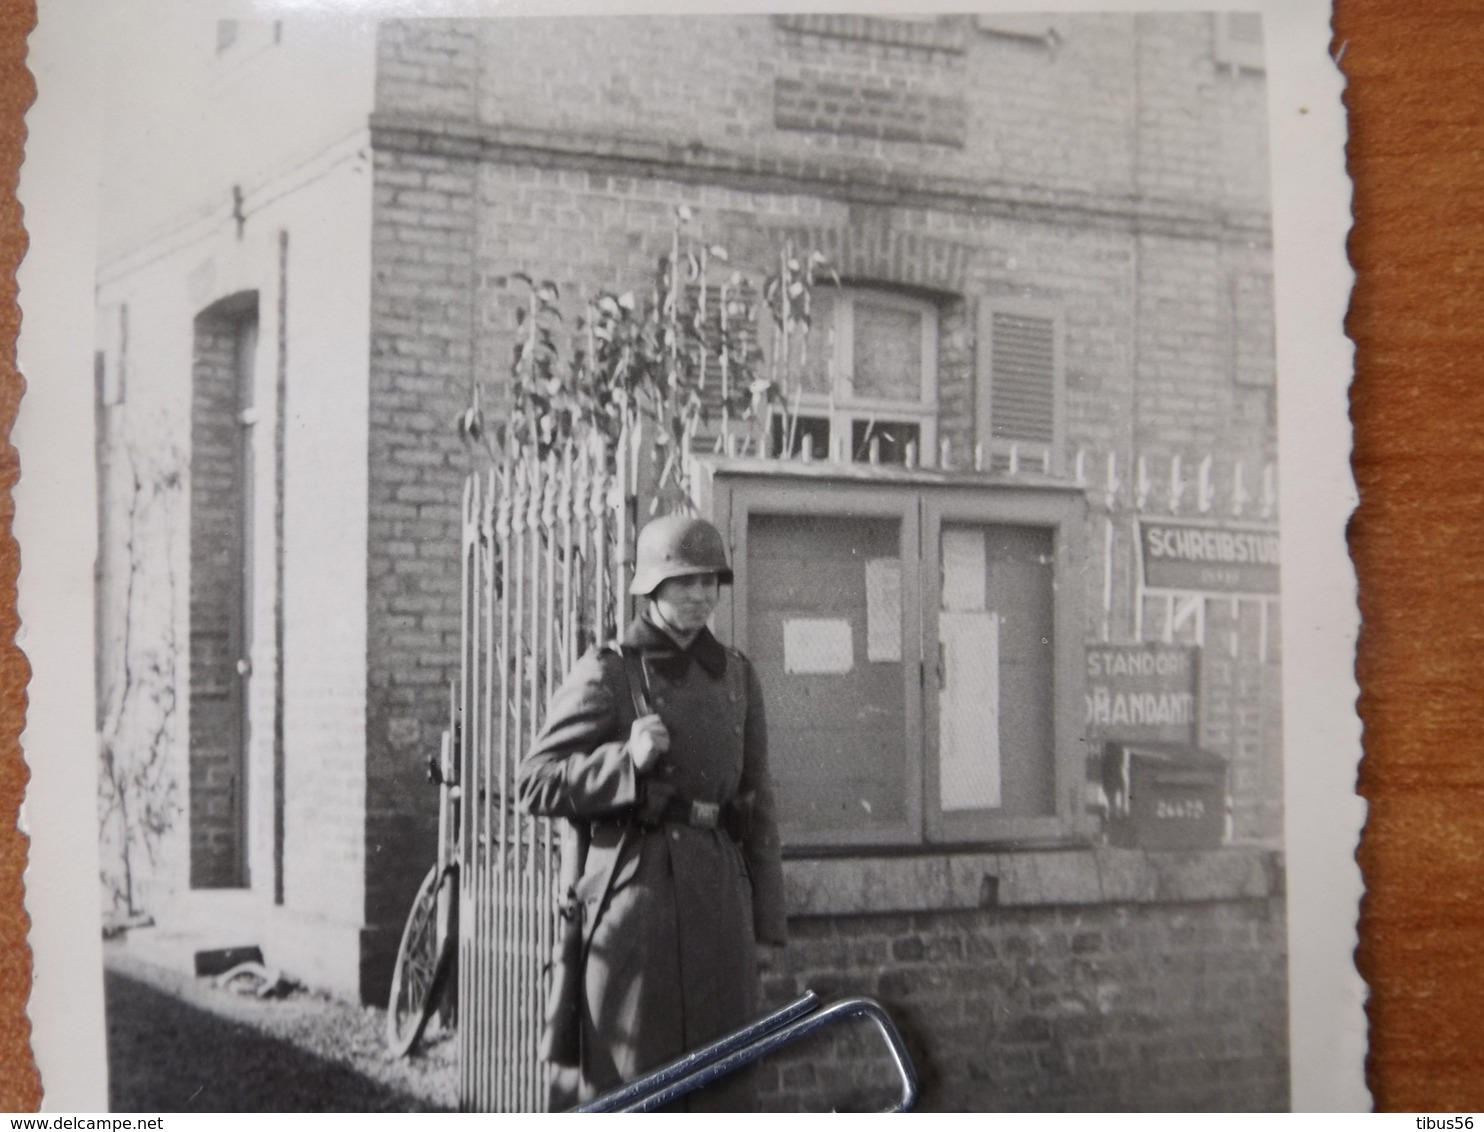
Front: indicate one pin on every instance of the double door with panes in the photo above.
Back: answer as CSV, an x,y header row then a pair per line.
x,y
917,645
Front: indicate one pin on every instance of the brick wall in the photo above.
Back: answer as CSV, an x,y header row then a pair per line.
x,y
1023,111
1110,1007
1240,697
216,603
422,310
849,90
1127,124
427,67
1202,129
869,108
1117,176
422,294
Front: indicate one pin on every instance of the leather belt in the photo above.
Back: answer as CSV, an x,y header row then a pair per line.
x,y
727,817
688,811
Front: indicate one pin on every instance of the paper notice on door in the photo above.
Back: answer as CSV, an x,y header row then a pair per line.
x,y
969,711
817,646
963,569
883,609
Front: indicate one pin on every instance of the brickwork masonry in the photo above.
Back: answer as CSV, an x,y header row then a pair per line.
x,y
216,770
1109,1007
421,300
573,172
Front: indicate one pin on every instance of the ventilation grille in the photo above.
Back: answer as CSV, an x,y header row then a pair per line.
x,y
1023,378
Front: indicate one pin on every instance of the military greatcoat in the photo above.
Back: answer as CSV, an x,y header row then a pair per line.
x,y
673,958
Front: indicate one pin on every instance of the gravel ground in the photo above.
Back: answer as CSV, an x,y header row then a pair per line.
x,y
179,1044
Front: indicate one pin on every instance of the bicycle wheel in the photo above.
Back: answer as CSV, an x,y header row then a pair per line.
x,y
421,970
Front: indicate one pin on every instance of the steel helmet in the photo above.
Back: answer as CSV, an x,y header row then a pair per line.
x,y
674,546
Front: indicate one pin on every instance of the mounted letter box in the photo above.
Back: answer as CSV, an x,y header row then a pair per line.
x,y
1164,796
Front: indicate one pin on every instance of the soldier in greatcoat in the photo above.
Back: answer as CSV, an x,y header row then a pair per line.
x,y
683,794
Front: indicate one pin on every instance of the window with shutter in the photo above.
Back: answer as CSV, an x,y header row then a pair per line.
x,y
1020,387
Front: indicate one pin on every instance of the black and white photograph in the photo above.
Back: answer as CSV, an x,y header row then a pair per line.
x,y
772,538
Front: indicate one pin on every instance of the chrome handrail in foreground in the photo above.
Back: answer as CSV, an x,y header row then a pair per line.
x,y
753,1042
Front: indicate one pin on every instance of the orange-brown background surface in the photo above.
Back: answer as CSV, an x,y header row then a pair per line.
x,y
1416,100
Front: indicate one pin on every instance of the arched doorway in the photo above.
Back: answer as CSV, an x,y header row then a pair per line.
x,y
222,417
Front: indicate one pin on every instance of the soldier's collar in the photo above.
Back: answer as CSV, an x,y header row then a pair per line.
x,y
671,659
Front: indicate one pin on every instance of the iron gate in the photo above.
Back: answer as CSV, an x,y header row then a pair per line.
x,y
544,549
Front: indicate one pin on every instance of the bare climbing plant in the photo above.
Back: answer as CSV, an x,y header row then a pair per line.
x,y
139,795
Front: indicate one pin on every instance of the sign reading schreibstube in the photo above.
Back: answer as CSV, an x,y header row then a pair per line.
x,y
1185,556
1141,693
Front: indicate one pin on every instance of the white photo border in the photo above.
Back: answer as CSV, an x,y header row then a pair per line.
x,y
71,60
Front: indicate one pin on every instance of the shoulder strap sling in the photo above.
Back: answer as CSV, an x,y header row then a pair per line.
x,y
633,663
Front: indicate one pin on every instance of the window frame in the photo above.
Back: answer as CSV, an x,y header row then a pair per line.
x,y
842,408
1027,451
